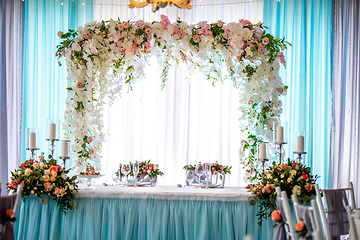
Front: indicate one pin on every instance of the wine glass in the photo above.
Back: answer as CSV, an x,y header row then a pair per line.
x,y
136,171
207,171
115,176
190,177
125,170
199,171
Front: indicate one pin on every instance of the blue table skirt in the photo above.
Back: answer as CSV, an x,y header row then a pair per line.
x,y
140,218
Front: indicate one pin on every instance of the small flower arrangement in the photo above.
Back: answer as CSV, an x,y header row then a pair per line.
x,y
145,168
293,177
276,216
301,229
9,216
215,168
45,179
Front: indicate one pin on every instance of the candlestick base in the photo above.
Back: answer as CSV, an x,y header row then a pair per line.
x,y
64,159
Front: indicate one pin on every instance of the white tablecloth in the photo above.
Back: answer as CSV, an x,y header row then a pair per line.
x,y
166,192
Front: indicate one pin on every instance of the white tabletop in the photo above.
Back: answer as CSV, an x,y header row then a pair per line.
x,y
166,192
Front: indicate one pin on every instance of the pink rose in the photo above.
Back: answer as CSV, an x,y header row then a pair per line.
x,y
41,158
139,23
276,106
281,90
222,168
261,49
242,142
63,53
60,33
87,35
265,41
208,33
245,22
196,39
47,186
79,85
59,192
220,23
126,24
164,20
147,46
120,27
276,215
250,141
89,139
92,151
144,171
148,31
300,226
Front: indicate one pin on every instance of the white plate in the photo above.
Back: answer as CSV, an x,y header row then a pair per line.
x,y
89,176
204,185
138,184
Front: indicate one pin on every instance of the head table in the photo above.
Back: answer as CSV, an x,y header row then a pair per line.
x,y
160,212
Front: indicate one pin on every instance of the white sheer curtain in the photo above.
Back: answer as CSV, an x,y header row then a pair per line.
x,y
11,28
187,122
345,150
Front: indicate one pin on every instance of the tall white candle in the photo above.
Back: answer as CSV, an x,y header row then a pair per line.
x,y
32,140
300,144
65,149
280,134
262,150
52,130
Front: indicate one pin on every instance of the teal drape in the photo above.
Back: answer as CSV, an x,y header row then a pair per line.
x,y
306,24
140,218
44,82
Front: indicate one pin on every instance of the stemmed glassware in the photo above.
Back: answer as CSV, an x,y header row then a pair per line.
x,y
125,170
116,176
207,171
189,177
136,171
199,171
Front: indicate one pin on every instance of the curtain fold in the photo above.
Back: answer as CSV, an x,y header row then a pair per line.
x,y
45,83
11,41
306,25
345,96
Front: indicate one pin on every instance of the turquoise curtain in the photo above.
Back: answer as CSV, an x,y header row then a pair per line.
x,y
306,24
44,86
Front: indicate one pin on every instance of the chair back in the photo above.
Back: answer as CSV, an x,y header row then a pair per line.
x,y
333,214
311,217
6,203
288,219
354,221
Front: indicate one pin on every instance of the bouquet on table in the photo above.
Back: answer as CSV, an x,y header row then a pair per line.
x,y
293,177
145,169
215,168
45,179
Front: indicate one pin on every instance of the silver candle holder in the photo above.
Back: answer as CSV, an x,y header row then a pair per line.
x,y
299,158
52,146
32,150
64,161
281,151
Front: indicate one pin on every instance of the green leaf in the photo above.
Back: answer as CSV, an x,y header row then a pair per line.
x,y
45,200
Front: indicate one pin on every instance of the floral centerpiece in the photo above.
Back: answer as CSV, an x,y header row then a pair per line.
x,y
45,179
293,177
145,168
215,168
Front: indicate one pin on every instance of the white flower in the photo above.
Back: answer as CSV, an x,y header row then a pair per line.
x,y
297,190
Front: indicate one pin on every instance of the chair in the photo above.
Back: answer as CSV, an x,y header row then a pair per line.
x,y
311,217
287,229
333,214
354,221
0,188
6,203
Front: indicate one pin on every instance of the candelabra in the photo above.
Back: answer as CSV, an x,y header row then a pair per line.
x,y
32,156
281,151
52,146
299,158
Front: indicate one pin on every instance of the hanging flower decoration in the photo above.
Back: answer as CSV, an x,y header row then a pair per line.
x,y
103,57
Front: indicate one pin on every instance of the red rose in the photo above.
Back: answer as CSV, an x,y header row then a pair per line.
x,y
151,168
308,187
305,176
10,214
144,171
248,186
147,167
213,169
222,168
53,168
22,165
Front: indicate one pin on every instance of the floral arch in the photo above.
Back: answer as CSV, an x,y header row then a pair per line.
x,y
103,57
